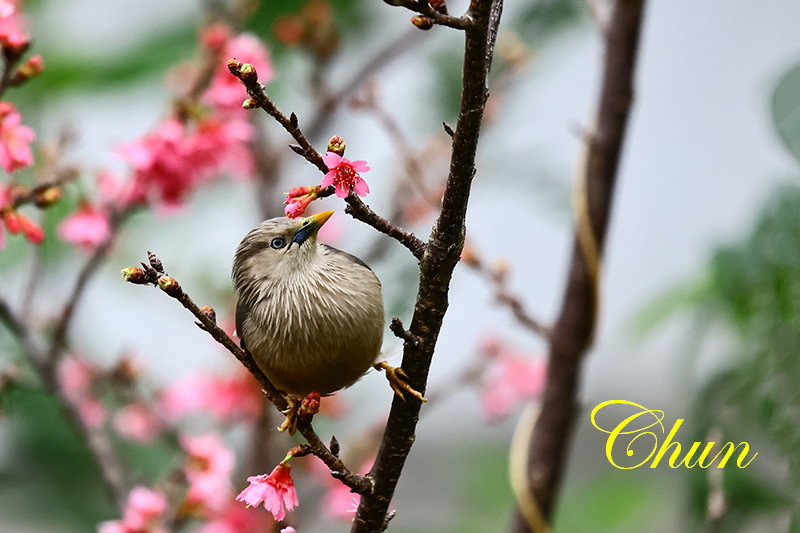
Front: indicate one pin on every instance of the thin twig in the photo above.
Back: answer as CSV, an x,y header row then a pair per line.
x,y
110,464
424,8
360,211
574,328
92,265
356,208
498,279
380,60
22,195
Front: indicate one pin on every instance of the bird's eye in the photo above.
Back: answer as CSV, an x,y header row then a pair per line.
x,y
278,243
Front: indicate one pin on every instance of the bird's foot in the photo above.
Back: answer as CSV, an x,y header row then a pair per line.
x,y
398,381
289,424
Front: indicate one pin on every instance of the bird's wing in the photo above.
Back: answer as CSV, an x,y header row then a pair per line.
x,y
350,257
242,312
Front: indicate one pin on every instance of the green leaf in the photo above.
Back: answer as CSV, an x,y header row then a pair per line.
x,y
786,110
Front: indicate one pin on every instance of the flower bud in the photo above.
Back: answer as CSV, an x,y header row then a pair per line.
x,y
234,65
422,22
249,104
309,406
47,197
248,72
469,257
126,371
134,275
30,69
169,285
500,269
298,200
337,145
209,313
438,5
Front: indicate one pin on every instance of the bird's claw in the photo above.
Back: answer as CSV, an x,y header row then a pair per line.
x,y
289,424
398,381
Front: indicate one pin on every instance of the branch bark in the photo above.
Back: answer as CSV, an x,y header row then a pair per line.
x,y
436,266
575,326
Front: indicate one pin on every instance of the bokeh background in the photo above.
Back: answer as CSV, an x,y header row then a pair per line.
x,y
699,312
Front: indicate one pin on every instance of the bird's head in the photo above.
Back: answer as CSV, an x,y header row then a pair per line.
x,y
277,248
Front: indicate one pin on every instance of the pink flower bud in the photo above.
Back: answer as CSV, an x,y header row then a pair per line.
x,y
422,22
30,69
309,406
337,145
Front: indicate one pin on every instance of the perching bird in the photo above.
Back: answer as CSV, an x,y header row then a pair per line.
x,y
311,315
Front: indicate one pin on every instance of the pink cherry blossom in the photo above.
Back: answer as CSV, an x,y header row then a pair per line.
x,y
289,529
275,490
144,507
226,93
208,455
7,8
236,519
12,26
15,139
138,422
91,411
208,469
511,379
75,375
344,174
32,231
208,494
298,199
143,512
175,159
235,397
340,502
88,227
16,222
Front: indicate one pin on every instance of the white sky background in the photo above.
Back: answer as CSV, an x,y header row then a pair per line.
x,y
700,159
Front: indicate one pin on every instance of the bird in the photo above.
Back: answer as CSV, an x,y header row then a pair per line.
x,y
311,315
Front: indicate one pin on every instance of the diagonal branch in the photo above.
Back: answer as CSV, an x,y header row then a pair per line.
x,y
99,445
91,266
573,331
154,274
356,208
423,7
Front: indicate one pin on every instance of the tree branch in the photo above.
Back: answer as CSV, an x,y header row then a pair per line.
x,y
361,211
423,7
99,446
356,208
95,261
154,274
436,266
575,326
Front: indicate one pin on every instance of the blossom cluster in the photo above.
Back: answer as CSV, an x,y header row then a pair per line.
x,y
343,175
511,378
206,136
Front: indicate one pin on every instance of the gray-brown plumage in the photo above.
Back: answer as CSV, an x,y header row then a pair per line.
x,y
311,315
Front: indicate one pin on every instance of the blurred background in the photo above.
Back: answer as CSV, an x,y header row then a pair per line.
x,y
701,278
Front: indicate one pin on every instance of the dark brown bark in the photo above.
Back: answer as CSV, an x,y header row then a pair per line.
x,y
574,328
436,266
